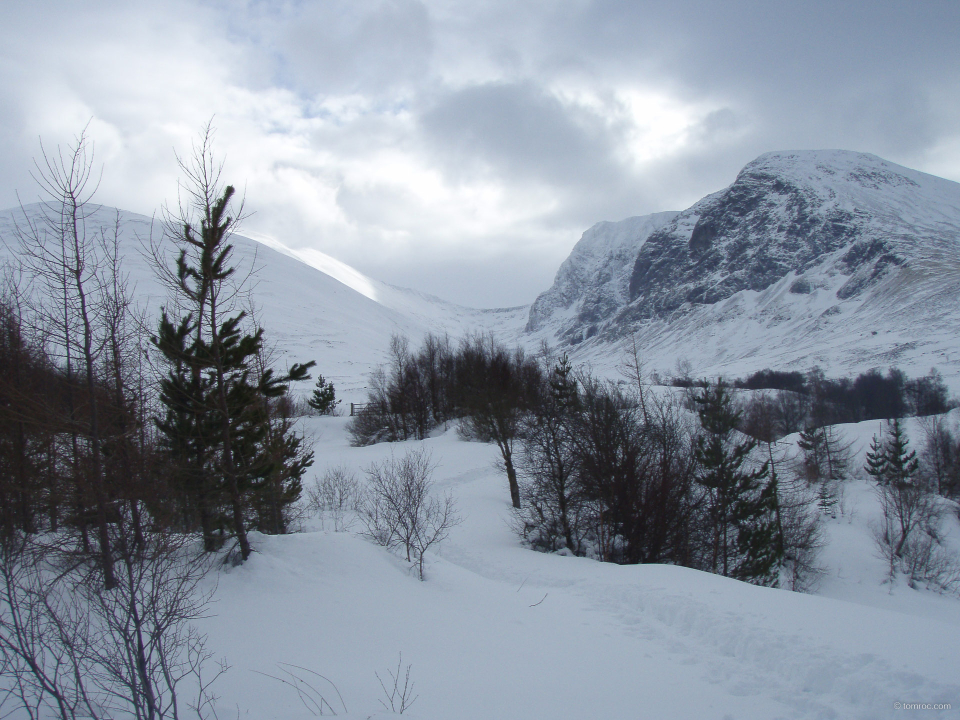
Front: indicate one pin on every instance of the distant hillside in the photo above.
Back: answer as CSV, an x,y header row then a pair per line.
x,y
308,313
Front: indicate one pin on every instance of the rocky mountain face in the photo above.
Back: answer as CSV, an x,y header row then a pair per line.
x,y
813,257
593,282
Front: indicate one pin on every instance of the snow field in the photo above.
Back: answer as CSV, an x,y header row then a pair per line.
x,y
499,631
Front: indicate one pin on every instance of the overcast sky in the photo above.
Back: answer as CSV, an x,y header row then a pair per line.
x,y
462,147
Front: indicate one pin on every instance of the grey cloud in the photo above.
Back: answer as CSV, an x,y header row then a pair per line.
x,y
345,46
519,128
842,73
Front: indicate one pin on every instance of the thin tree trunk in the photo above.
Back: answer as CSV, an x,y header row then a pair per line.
x,y
229,466
507,453
100,495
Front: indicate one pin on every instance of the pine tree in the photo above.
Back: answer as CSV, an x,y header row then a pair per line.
x,y
741,505
906,503
563,386
892,462
825,461
902,463
827,499
185,429
279,456
324,397
811,442
217,401
876,466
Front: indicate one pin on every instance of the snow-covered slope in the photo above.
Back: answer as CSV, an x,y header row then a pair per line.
x,y
333,314
828,258
499,631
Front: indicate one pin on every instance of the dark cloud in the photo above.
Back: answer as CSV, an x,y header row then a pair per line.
x,y
816,73
521,132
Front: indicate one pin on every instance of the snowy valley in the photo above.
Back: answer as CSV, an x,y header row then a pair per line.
x,y
499,631
833,259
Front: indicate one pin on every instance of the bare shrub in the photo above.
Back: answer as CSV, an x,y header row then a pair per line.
x,y
908,538
40,643
336,496
907,510
928,562
802,533
398,699
398,508
146,644
72,649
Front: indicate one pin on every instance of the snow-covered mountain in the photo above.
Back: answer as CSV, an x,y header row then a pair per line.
x,y
312,306
500,631
594,280
829,258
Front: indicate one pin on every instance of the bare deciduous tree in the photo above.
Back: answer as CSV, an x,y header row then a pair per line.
x,y
337,496
802,535
939,454
60,248
74,649
498,390
399,509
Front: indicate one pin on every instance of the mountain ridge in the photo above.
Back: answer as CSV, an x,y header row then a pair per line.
x,y
308,314
810,258
828,257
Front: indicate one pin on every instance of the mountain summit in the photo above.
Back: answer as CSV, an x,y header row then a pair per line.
x,y
827,256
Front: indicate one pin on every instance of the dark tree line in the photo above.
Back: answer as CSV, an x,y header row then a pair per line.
x,y
811,399
594,468
479,382
812,404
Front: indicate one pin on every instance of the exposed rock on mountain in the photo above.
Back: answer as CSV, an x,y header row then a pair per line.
x,y
812,257
785,213
593,282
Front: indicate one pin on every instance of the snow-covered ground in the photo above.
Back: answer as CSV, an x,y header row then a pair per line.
x,y
499,631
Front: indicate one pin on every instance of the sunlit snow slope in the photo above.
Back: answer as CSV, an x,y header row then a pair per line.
x,y
344,324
